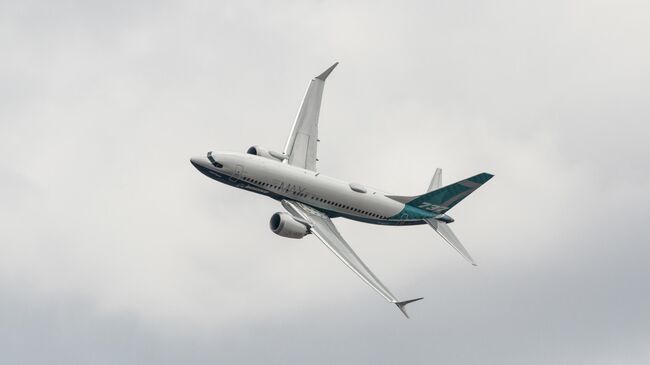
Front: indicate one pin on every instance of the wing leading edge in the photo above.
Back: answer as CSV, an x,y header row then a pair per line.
x,y
301,146
323,228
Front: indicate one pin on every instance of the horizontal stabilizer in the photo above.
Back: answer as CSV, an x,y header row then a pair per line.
x,y
401,305
448,235
436,181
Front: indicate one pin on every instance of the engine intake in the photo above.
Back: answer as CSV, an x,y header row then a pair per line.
x,y
285,225
263,152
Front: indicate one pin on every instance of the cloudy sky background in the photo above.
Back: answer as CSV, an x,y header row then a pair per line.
x,y
114,249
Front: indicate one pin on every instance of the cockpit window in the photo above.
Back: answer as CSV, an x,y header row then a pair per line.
x,y
213,161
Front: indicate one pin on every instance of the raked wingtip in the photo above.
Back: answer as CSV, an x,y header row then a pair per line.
x,y
401,305
327,72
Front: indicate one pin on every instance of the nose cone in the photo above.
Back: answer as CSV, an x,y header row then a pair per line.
x,y
200,162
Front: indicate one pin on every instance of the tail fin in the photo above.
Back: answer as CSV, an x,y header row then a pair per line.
x,y
442,199
445,232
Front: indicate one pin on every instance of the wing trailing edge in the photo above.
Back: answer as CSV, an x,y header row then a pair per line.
x,y
301,147
323,228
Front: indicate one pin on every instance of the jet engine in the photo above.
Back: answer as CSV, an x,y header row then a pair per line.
x,y
263,152
285,225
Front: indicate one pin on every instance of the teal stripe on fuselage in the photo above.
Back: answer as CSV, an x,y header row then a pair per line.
x,y
392,221
410,212
407,217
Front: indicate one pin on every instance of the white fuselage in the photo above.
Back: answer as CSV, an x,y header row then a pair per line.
x,y
282,181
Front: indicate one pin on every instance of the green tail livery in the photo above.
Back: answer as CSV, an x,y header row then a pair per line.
x,y
441,200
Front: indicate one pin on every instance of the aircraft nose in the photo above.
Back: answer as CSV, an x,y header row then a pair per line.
x,y
199,162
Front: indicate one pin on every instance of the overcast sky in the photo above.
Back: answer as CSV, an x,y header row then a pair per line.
x,y
115,250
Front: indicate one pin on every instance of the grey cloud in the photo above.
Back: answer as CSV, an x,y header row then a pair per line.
x,y
113,249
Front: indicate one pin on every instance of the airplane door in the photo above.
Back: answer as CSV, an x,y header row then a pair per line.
x,y
238,172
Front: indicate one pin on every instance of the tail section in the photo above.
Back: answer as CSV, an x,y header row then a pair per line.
x,y
442,199
439,200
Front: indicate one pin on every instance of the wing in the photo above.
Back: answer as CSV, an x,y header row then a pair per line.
x,y
323,228
301,145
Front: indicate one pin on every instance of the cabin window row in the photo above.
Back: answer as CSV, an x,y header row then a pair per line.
x,y
347,207
262,183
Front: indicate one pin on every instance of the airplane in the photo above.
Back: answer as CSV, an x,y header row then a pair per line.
x,y
312,199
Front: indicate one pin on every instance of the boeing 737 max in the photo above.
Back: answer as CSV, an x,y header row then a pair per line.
x,y
312,199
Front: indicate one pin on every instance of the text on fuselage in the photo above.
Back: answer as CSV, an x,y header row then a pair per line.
x,y
292,188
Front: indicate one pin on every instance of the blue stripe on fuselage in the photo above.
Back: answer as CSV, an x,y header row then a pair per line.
x,y
413,216
410,212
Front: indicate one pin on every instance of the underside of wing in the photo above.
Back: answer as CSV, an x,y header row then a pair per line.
x,y
323,228
301,146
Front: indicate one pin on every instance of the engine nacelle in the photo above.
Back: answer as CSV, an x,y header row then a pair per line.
x,y
285,225
263,152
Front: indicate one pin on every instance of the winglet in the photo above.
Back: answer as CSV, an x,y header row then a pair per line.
x,y
403,304
327,72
